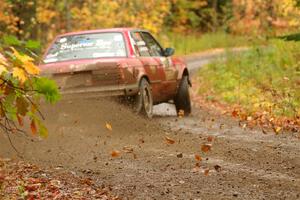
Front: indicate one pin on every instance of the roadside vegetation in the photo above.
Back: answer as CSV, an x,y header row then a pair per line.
x,y
194,43
262,83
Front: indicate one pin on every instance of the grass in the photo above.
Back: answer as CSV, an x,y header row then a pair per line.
x,y
263,79
191,43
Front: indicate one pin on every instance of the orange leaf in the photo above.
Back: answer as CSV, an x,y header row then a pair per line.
x,y
206,147
115,153
234,113
277,129
198,157
210,138
206,171
169,140
20,120
32,187
33,127
108,126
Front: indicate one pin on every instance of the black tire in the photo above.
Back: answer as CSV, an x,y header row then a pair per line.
x,y
182,99
143,101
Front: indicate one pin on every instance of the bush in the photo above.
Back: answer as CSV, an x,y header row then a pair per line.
x,y
261,79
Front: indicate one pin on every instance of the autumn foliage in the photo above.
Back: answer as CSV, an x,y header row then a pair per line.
x,y
21,88
43,20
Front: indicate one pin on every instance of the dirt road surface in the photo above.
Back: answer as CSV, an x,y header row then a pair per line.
x,y
142,159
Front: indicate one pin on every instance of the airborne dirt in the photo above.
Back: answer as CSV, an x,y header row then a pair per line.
x,y
242,163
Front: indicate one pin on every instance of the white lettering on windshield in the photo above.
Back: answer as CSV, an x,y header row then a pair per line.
x,y
75,46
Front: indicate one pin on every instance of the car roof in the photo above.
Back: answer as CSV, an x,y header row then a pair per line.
x,y
99,31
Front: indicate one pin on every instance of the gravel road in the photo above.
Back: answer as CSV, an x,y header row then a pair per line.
x,y
142,159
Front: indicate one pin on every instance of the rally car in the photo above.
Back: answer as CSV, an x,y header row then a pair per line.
x,y
124,62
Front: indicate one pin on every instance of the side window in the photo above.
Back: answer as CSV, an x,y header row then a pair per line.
x,y
140,46
154,48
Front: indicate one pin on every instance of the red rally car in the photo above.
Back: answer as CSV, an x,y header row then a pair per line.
x,y
119,62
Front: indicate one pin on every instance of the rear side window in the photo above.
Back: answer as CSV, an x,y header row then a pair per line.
x,y
154,47
85,46
145,45
140,45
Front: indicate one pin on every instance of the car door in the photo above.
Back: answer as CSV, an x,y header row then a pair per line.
x,y
150,63
166,70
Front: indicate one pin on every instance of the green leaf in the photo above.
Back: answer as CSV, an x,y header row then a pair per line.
x,y
32,44
47,88
11,40
9,107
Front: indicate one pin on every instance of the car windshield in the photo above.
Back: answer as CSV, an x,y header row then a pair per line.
x,y
85,46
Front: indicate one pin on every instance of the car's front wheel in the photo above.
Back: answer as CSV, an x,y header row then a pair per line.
x,y
182,99
143,100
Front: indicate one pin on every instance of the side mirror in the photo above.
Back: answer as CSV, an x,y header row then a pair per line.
x,y
169,52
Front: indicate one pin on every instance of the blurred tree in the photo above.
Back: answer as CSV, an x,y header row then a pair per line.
x,y
264,16
8,21
43,19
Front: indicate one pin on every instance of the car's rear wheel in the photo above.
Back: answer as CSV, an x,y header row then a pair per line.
x,y
182,99
143,103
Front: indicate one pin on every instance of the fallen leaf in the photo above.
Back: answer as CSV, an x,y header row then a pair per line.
x,y
217,168
234,113
206,171
86,181
169,140
115,153
210,138
243,116
198,157
108,126
206,147
277,130
180,155
128,149
33,187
